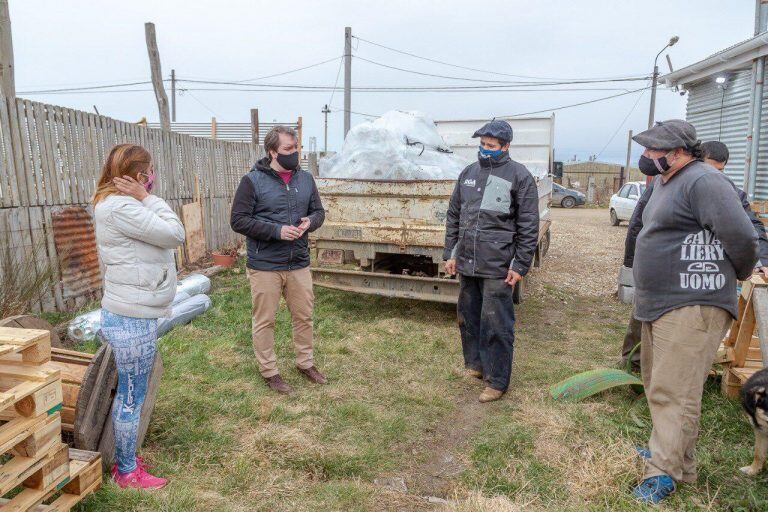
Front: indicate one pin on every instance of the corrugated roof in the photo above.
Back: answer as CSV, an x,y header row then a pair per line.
x,y
735,57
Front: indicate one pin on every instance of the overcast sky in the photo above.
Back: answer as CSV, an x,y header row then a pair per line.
x,y
72,43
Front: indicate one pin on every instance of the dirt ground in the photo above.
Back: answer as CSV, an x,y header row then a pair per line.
x,y
585,253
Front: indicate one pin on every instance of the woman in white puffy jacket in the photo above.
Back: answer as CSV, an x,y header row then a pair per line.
x,y
136,233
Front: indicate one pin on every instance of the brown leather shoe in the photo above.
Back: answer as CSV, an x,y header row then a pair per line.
x,y
471,372
276,383
313,375
489,394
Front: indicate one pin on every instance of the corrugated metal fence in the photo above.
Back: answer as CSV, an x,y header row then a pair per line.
x,y
50,160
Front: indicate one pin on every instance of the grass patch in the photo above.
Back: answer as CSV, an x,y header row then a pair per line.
x,y
227,443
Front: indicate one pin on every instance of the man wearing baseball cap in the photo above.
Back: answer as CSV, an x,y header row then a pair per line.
x,y
491,234
695,243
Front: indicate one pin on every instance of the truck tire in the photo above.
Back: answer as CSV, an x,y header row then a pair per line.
x,y
544,245
517,294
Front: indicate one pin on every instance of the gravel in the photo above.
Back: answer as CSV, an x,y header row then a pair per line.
x,y
585,254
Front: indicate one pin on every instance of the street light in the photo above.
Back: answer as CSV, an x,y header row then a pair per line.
x,y
672,41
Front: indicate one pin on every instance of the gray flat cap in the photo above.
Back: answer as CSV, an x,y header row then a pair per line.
x,y
671,134
498,128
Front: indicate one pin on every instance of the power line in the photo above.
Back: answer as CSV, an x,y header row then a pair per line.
x,y
316,64
206,107
576,104
336,82
622,123
92,88
462,67
626,79
325,89
336,109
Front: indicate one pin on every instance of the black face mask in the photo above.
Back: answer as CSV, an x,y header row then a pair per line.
x,y
289,161
653,166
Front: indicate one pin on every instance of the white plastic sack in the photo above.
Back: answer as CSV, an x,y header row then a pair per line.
x,y
396,146
85,327
183,312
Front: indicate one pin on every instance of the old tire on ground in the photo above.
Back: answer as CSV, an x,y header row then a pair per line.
x,y
614,218
568,202
32,322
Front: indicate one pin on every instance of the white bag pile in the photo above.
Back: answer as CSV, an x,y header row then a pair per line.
x,y
396,146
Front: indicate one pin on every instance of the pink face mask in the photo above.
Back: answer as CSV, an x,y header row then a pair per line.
x,y
150,182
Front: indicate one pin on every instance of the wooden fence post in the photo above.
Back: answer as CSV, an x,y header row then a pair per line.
x,y
157,76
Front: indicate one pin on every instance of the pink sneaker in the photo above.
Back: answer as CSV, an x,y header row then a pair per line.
x,y
138,478
139,464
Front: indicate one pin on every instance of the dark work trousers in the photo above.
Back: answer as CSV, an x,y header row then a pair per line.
x,y
631,340
487,324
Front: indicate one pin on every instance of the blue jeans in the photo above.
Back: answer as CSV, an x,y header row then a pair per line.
x,y
487,325
133,342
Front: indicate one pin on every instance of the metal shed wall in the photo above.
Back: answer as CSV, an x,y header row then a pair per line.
x,y
723,115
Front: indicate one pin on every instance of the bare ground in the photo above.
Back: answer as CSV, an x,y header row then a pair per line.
x,y
583,259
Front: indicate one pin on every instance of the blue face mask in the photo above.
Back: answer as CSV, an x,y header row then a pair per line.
x,y
490,153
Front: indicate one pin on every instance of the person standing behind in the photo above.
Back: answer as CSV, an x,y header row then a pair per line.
x,y
491,234
716,154
695,243
275,206
136,233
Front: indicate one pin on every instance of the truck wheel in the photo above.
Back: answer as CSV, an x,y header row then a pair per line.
x,y
517,293
614,218
568,202
544,245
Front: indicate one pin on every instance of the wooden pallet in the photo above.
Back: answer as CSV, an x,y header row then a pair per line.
x,y
744,351
63,486
33,344
35,441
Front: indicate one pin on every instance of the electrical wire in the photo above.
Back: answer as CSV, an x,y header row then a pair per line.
x,y
576,104
206,107
92,88
290,71
336,83
626,79
622,122
459,66
336,109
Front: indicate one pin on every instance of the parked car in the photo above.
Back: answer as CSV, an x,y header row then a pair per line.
x,y
624,201
566,197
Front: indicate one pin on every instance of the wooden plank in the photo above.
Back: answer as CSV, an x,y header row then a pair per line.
x,y
192,216
94,401
22,142
20,166
11,190
44,176
744,336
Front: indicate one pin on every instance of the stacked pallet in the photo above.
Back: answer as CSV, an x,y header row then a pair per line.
x,y
744,350
37,466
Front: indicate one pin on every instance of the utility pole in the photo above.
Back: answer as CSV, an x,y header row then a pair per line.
x,y
627,174
173,95
157,76
655,79
347,78
7,82
325,112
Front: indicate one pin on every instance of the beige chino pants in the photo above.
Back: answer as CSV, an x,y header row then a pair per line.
x,y
266,289
677,353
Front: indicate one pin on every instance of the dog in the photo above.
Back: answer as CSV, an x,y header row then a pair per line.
x,y
754,398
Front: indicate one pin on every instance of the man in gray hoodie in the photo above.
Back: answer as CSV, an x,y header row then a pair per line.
x,y
695,243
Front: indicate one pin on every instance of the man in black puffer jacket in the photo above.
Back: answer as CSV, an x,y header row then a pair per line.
x,y
275,206
491,234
